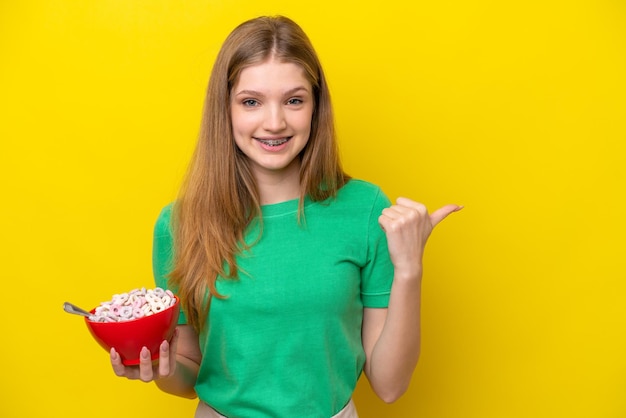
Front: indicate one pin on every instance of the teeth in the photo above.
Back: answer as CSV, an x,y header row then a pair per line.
x,y
274,142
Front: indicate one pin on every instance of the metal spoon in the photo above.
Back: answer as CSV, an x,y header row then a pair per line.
x,y
73,309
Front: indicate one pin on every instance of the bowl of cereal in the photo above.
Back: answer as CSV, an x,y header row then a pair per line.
x,y
133,320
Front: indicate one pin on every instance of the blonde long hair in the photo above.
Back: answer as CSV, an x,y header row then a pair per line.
x,y
219,197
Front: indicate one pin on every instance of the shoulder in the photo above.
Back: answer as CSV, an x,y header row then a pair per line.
x,y
164,221
359,199
360,187
363,191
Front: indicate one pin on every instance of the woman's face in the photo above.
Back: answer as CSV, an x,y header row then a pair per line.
x,y
271,110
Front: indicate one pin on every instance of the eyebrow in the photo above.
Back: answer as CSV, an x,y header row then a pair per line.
x,y
259,94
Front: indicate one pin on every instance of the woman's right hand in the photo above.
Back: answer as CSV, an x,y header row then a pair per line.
x,y
147,370
175,372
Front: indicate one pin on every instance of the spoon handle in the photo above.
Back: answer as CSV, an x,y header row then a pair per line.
x,y
73,309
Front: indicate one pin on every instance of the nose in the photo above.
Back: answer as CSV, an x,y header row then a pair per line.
x,y
274,119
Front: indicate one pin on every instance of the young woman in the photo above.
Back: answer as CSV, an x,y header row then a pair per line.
x,y
293,277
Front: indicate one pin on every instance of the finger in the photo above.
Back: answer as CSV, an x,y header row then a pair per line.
x,y
383,221
116,363
392,212
173,347
164,359
394,218
409,203
441,213
404,207
145,365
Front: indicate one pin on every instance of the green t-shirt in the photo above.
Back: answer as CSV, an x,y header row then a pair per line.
x,y
286,342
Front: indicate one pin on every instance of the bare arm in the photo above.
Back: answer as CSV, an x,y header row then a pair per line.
x,y
177,369
391,337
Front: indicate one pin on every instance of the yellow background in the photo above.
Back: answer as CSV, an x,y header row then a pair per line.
x,y
513,109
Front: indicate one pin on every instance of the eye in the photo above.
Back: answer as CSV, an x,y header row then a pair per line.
x,y
250,103
294,101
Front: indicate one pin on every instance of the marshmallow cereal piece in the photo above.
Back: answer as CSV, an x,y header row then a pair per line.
x,y
157,306
138,313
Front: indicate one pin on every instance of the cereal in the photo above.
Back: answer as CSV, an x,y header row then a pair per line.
x,y
133,305
138,313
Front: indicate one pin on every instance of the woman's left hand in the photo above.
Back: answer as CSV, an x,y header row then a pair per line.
x,y
408,225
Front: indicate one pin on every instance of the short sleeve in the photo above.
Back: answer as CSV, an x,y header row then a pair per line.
x,y
377,274
163,253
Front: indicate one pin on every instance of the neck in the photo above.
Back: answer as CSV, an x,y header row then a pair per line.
x,y
279,186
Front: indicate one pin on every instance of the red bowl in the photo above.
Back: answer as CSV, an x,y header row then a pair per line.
x,y
128,337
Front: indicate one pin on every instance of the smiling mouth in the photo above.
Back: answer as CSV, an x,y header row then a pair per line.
x,y
273,142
